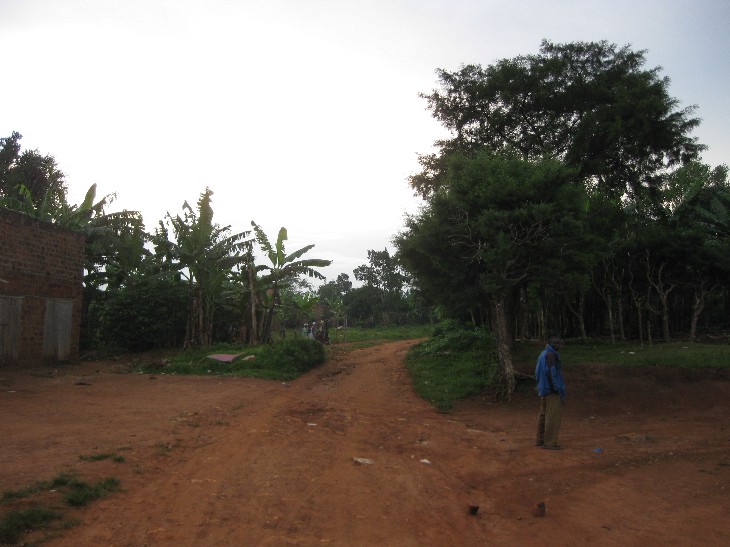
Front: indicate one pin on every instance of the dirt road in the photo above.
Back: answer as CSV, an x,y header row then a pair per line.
x,y
349,455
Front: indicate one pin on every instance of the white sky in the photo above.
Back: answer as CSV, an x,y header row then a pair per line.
x,y
299,113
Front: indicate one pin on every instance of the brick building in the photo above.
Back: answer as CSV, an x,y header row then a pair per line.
x,y
41,272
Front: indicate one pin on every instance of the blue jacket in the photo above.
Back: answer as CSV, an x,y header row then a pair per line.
x,y
548,375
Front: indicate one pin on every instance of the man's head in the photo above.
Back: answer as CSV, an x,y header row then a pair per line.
x,y
554,340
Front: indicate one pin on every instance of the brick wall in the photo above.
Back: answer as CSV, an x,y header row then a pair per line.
x,y
40,262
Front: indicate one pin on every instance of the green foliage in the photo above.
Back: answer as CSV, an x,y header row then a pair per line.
x,y
81,493
15,523
282,271
206,253
147,315
501,223
675,354
294,356
591,104
75,493
282,360
383,297
116,458
381,333
29,179
454,363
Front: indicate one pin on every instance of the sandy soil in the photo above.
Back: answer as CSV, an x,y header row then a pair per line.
x,y
229,461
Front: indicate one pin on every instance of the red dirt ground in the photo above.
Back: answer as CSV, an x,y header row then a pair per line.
x,y
229,461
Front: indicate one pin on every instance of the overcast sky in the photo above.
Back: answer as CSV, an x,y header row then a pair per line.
x,y
300,113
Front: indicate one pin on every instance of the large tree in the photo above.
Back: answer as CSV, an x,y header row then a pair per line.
x,y
30,172
500,222
592,104
386,281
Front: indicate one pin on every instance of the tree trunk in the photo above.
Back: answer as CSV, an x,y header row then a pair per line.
x,y
665,320
504,348
648,332
620,310
609,305
697,306
640,323
605,294
267,322
578,314
656,278
701,293
252,292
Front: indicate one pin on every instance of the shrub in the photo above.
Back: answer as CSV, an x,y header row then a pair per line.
x,y
15,523
457,361
294,355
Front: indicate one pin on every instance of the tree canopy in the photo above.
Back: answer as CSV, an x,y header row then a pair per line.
x,y
567,195
591,104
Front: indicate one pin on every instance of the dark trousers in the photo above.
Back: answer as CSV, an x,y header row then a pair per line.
x,y
548,421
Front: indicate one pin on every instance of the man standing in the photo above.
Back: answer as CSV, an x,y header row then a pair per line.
x,y
551,389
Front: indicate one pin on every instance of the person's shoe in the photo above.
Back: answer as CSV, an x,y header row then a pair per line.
x,y
539,443
551,447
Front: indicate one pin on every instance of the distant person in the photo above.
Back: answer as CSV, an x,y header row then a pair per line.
x,y
305,330
551,389
312,330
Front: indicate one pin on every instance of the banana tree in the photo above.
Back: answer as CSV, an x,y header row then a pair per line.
x,y
283,270
205,254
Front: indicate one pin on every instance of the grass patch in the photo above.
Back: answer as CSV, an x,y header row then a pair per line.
x,y
75,493
102,456
674,354
82,493
454,363
16,523
62,479
362,334
282,360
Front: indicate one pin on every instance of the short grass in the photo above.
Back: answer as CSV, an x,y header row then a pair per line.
x,y
281,360
116,458
674,354
14,524
81,493
380,334
74,492
444,379
457,361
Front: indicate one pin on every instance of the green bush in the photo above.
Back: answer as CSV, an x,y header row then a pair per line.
x,y
15,523
457,361
148,315
294,355
451,336
282,360
81,493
